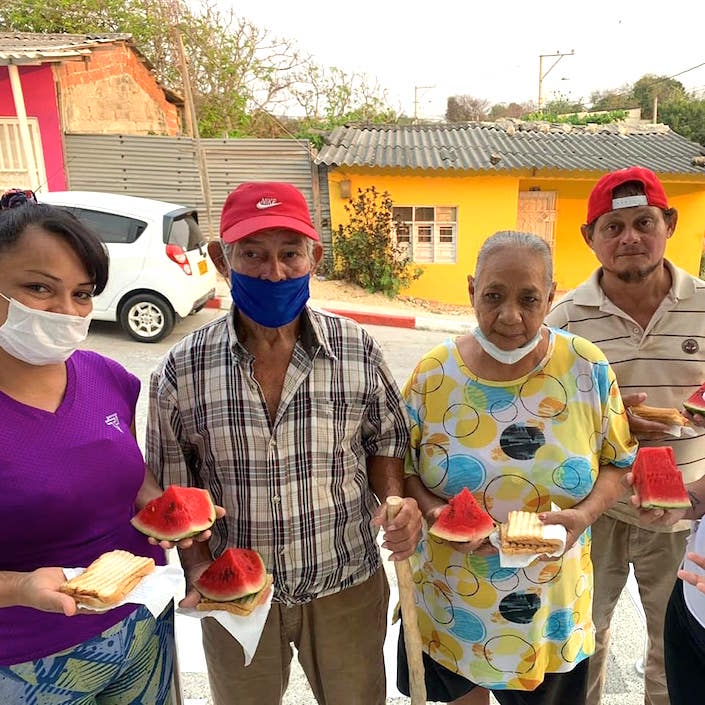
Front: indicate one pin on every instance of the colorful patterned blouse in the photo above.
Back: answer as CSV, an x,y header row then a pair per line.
x,y
516,445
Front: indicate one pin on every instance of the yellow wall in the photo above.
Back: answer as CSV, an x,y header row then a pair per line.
x,y
487,203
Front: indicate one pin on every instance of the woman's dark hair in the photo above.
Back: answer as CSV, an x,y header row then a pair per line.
x,y
64,224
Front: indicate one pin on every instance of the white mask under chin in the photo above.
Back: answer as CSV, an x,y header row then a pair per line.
x,y
507,357
41,337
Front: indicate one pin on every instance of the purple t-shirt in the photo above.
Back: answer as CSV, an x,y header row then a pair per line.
x,y
68,482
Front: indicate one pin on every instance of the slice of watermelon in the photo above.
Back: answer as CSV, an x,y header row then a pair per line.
x,y
178,513
657,480
462,519
695,403
236,573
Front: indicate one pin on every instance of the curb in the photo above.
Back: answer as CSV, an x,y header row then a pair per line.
x,y
378,319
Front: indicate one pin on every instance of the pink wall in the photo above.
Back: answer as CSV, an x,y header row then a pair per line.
x,y
40,102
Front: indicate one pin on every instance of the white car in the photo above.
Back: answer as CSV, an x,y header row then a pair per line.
x,y
159,267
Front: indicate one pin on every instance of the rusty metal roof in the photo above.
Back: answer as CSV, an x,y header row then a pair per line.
x,y
36,48
513,145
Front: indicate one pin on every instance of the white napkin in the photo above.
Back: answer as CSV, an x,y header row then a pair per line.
x,y
246,630
682,431
155,590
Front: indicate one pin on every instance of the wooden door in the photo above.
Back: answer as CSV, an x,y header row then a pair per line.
x,y
537,214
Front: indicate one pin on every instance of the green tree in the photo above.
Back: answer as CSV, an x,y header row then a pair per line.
x,y
650,86
613,99
364,249
686,117
329,97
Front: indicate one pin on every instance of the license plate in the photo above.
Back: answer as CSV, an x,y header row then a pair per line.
x,y
203,266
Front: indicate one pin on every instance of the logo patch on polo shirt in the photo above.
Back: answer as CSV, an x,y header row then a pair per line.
x,y
690,346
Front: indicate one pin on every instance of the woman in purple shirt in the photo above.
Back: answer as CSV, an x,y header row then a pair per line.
x,y
71,477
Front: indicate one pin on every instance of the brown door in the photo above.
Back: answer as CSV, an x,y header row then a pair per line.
x,y
537,214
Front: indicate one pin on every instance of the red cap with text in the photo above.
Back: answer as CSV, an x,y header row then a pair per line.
x,y
255,206
601,200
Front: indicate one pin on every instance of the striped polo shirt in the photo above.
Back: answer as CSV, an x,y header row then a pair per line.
x,y
666,360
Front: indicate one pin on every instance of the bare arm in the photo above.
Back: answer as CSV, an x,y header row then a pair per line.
x,y
38,589
194,561
402,534
608,488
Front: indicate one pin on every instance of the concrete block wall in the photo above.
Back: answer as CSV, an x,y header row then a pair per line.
x,y
113,92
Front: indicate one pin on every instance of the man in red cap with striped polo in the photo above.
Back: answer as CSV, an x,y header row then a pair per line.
x,y
647,316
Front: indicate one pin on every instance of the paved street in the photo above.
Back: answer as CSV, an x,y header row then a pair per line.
x,y
402,348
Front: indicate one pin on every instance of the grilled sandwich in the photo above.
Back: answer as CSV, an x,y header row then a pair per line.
x,y
108,579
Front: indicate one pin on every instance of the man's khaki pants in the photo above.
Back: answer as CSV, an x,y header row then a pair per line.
x,y
339,640
656,558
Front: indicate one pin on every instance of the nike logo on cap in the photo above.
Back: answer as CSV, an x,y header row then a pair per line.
x,y
267,203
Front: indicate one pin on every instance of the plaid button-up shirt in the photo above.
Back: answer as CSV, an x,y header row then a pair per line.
x,y
296,491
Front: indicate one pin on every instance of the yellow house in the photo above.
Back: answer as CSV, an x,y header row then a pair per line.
x,y
453,186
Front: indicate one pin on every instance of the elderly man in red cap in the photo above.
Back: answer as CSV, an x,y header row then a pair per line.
x,y
647,317
292,420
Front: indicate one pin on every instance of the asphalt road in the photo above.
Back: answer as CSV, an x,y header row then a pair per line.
x,y
402,348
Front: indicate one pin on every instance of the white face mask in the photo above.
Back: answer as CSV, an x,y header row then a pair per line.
x,y
41,337
507,357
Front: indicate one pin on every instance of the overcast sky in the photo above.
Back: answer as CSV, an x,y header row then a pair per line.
x,y
490,49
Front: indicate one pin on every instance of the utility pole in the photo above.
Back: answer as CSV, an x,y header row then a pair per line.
x,y
543,75
416,99
190,109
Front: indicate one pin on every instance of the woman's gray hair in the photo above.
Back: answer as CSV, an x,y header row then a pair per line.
x,y
512,239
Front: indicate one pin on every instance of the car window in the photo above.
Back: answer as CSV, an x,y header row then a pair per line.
x,y
185,233
111,227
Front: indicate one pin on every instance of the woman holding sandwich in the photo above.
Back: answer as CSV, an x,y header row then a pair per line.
x,y
71,477
524,417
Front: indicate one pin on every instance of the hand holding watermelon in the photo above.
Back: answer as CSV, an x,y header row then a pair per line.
x,y
659,492
463,523
178,517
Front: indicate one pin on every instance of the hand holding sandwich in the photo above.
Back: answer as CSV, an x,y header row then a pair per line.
x,y
647,426
38,589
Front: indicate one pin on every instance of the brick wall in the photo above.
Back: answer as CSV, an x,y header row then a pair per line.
x,y
113,92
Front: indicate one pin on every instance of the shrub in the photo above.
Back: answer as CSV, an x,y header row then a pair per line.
x,y
364,250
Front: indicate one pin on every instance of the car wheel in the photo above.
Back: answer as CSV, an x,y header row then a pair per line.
x,y
147,317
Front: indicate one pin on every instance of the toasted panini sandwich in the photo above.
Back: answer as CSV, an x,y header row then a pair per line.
x,y
669,416
108,579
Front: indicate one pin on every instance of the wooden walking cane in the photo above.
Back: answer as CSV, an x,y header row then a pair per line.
x,y
412,636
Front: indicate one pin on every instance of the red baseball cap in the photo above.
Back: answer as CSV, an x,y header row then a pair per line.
x,y
260,205
601,200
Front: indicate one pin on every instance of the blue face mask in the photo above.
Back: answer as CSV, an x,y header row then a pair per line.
x,y
271,304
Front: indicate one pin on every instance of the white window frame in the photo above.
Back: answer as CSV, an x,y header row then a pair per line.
x,y
435,251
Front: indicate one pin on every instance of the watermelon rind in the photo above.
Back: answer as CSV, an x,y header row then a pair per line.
x,y
657,480
462,520
695,403
235,574
178,513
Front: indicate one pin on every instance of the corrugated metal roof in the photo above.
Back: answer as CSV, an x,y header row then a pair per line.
x,y
35,41
35,48
512,145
